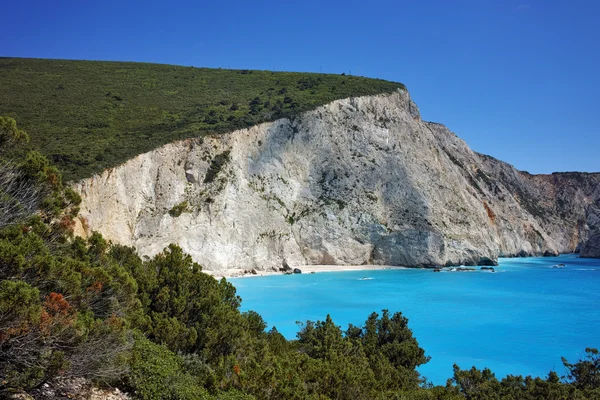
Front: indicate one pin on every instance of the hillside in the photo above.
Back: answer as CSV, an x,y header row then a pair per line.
x,y
87,116
357,181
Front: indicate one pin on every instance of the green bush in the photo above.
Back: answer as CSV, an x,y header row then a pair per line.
x,y
178,209
157,373
585,374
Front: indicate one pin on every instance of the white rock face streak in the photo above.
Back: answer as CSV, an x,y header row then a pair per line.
x,y
358,181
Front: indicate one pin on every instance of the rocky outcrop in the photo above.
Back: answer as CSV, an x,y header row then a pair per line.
x,y
72,388
591,247
358,181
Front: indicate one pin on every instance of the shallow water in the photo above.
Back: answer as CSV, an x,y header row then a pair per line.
x,y
519,320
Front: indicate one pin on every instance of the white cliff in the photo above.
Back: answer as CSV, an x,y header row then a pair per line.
x,y
358,181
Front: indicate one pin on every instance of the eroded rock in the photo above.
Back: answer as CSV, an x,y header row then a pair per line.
x,y
358,181
591,248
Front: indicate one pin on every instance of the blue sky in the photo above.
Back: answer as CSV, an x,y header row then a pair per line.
x,y
519,80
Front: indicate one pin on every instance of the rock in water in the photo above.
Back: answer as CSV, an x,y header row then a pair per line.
x,y
358,181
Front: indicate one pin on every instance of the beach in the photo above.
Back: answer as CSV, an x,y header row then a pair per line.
x,y
306,269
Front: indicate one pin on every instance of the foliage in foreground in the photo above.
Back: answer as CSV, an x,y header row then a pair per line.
x,y
87,116
64,305
482,384
162,329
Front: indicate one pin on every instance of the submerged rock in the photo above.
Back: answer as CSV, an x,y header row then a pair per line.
x,y
461,269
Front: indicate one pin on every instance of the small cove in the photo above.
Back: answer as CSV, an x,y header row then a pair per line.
x,y
518,320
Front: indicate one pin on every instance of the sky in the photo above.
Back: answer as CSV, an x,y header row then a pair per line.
x,y
518,80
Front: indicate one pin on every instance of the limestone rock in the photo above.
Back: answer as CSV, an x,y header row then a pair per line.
x,y
74,388
358,181
591,248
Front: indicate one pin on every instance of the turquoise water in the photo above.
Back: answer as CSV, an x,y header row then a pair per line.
x,y
519,320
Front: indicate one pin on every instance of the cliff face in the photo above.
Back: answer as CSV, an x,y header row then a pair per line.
x,y
591,247
358,181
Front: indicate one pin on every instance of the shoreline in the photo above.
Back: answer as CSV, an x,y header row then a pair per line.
x,y
306,269
309,269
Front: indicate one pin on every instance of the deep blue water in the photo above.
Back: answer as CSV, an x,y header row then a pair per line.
x,y
519,320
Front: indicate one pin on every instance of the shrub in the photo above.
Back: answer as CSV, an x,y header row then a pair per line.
x,y
585,374
216,164
157,373
178,209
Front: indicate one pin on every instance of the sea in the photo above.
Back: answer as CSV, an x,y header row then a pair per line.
x,y
519,320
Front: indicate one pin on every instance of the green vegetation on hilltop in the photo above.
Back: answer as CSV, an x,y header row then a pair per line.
x,y
86,116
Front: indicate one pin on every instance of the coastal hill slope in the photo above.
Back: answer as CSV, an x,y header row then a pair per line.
x,y
87,116
258,169
361,180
